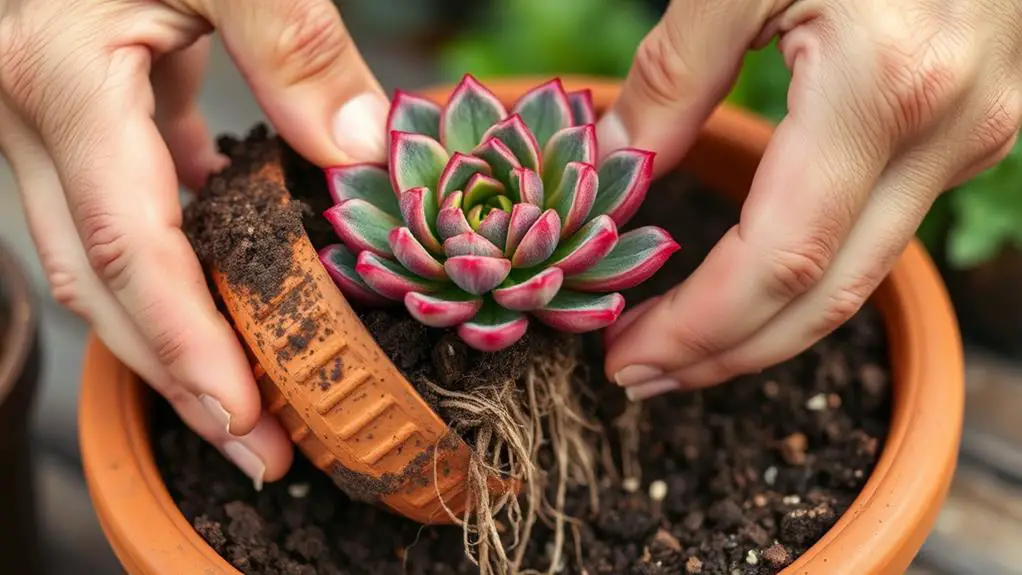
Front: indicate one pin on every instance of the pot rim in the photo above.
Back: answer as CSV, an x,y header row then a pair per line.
x,y
880,533
17,340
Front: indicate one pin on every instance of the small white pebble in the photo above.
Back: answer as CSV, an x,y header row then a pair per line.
x,y
751,558
817,402
658,490
770,475
791,500
857,473
298,490
630,484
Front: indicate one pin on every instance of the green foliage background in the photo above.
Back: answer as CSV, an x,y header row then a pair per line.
x,y
968,225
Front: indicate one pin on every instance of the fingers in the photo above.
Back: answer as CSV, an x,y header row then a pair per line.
x,y
902,197
265,453
307,75
682,69
811,185
176,80
122,193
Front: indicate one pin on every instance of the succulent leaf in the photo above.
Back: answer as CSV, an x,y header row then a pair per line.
x,y
453,200
522,218
526,186
480,188
451,222
586,247
545,110
500,158
444,309
369,182
415,161
410,252
475,216
340,264
390,279
362,226
582,109
494,227
638,254
539,242
575,312
471,110
414,114
513,132
419,211
575,144
624,179
477,274
457,172
529,291
493,328
574,198
471,244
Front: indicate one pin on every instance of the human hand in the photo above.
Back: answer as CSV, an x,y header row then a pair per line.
x,y
890,103
97,110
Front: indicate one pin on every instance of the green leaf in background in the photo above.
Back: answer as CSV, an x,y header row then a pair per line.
x,y
551,37
762,84
987,213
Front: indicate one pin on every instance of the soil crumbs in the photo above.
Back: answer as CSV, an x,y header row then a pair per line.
x,y
740,478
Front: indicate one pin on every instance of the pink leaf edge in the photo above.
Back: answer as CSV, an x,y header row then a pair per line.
x,y
493,338
441,313
531,294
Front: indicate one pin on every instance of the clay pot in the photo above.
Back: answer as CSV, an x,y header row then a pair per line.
x,y
19,375
881,533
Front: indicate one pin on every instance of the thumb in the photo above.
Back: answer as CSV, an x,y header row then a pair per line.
x,y
682,69
307,75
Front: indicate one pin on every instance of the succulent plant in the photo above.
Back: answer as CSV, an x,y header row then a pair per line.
x,y
483,216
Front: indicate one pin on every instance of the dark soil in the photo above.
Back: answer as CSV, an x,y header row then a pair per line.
x,y
240,224
755,470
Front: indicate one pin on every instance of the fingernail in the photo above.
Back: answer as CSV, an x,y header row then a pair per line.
x,y
652,389
220,415
247,461
610,135
635,374
360,127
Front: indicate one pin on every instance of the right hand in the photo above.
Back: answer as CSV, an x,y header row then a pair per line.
x,y
99,122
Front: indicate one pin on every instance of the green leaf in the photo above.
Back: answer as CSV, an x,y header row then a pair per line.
x,y
545,110
576,144
367,182
414,114
416,161
470,112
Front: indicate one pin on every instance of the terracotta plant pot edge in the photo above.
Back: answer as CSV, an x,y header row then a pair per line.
x,y
878,534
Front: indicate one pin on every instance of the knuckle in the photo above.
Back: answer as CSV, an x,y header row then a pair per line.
x,y
169,346
792,272
312,43
661,68
920,78
64,288
106,247
841,305
999,125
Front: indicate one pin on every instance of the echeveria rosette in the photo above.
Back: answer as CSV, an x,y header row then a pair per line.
x,y
486,216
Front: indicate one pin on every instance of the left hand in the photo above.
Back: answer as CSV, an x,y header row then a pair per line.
x,y
890,104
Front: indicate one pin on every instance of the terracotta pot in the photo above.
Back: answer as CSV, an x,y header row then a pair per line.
x,y
19,374
881,533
